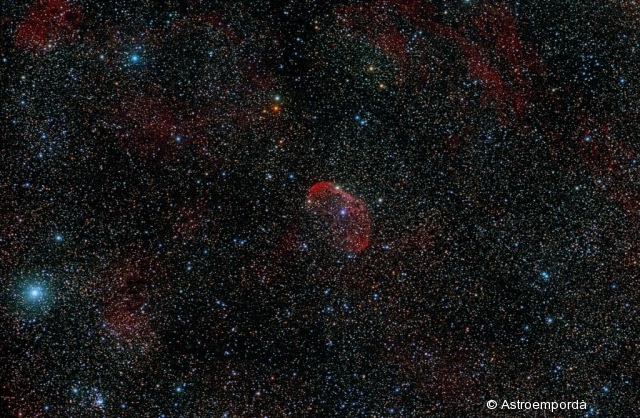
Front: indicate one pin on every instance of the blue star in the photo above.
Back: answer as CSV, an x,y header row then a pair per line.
x,y
135,58
35,293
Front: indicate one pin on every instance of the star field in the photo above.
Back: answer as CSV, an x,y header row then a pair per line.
x,y
387,208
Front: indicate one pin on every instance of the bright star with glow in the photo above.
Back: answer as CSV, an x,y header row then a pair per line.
x,y
35,293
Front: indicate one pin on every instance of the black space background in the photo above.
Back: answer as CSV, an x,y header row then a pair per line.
x,y
503,256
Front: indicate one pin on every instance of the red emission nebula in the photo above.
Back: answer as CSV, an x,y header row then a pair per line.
x,y
47,22
345,215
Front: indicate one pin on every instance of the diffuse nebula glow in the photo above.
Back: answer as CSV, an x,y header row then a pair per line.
x,y
346,216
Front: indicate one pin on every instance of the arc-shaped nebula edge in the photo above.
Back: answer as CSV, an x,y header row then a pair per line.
x,y
345,215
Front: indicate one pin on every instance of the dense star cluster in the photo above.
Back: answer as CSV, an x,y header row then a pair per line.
x,y
314,208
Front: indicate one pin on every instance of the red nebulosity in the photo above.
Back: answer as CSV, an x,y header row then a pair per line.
x,y
46,22
497,26
379,29
496,55
153,125
346,216
608,154
148,123
220,22
502,47
499,59
126,301
481,69
393,43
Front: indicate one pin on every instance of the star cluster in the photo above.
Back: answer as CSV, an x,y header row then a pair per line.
x,y
310,208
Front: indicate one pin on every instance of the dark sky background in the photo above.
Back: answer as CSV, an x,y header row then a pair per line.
x,y
389,208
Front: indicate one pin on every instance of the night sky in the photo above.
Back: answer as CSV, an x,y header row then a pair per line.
x,y
314,208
